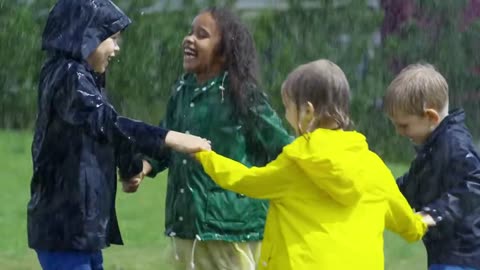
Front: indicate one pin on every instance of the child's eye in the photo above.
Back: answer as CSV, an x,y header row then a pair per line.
x,y
117,39
202,34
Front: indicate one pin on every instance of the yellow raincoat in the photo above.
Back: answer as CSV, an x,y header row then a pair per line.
x,y
330,201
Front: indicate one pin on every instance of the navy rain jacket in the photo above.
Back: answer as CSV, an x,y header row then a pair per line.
x,y
79,138
444,181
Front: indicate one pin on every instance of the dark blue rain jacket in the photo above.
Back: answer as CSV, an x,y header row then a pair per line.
x,y
79,139
444,181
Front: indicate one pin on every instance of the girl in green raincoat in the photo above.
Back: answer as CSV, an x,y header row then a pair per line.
x,y
218,98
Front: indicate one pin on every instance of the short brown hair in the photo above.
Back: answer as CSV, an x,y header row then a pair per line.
x,y
417,87
323,84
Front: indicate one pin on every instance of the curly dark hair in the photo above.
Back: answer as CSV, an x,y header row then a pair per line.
x,y
238,48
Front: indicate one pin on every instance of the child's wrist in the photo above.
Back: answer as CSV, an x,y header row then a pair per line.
x,y
147,168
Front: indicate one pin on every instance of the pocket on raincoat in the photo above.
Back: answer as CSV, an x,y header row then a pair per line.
x,y
231,212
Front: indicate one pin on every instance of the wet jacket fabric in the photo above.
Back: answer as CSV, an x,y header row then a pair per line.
x,y
79,138
444,181
195,206
330,201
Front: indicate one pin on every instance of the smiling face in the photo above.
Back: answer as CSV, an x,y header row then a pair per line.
x,y
200,48
102,55
416,127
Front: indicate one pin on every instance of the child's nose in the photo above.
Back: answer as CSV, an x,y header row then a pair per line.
x,y
116,49
188,39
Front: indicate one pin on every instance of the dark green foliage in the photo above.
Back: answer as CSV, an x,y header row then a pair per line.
x,y
139,81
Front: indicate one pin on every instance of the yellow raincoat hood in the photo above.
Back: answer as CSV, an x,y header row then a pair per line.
x,y
330,201
336,159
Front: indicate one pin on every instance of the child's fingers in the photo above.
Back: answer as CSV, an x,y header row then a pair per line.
x,y
427,219
130,189
135,181
207,145
131,185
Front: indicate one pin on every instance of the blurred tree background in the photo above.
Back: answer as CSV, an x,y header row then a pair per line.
x,y
371,40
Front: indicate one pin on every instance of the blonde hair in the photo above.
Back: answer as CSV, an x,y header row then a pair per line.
x,y
323,84
416,88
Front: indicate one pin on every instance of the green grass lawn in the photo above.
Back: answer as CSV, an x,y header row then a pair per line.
x,y
140,215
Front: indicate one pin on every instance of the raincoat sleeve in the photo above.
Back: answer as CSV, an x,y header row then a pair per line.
x,y
269,182
400,217
80,103
128,163
463,198
265,134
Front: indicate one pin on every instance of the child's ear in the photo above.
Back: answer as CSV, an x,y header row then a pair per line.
x,y
433,116
307,114
309,109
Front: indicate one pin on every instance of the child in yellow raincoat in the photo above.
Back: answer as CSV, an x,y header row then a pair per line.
x,y
330,197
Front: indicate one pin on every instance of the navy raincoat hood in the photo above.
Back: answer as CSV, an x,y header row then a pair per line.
x,y
79,138
88,23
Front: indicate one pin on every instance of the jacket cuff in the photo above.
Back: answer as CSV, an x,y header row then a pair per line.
x,y
133,167
156,167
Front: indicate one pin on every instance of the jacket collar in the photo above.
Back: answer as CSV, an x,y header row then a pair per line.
x,y
190,81
455,117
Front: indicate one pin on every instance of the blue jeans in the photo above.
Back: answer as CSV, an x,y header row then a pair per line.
x,y
70,260
448,267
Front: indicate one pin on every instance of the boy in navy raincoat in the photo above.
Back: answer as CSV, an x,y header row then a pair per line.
x,y
443,182
80,139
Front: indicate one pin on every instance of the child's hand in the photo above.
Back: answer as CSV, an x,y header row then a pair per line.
x,y
186,143
131,185
427,219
